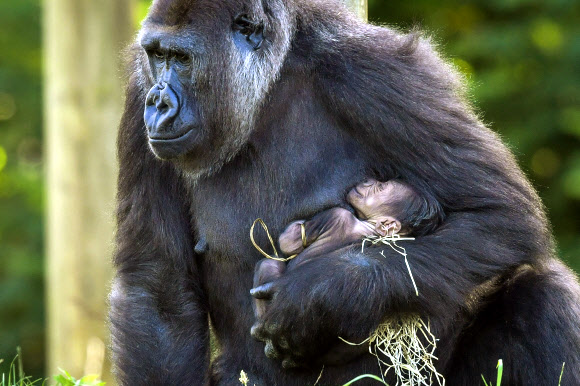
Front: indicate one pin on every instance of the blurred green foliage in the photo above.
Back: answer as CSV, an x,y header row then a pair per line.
x,y
521,59
21,184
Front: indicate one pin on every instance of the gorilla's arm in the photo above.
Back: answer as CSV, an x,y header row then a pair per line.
x,y
159,323
406,106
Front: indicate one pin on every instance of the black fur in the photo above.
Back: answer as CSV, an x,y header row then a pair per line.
x,y
348,101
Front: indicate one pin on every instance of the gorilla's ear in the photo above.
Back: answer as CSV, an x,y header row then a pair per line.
x,y
388,226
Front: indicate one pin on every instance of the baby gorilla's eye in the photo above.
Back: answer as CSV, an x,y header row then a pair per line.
x,y
368,183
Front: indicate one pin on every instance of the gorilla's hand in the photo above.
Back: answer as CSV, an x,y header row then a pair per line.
x,y
314,304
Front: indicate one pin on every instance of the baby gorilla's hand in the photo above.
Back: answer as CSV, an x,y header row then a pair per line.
x,y
267,270
291,239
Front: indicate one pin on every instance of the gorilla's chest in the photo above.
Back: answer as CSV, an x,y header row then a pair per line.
x,y
280,181
281,176
225,206
224,209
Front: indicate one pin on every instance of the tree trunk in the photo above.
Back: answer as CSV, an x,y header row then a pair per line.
x,y
83,104
360,7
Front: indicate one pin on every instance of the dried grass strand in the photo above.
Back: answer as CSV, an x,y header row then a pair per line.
x,y
391,241
275,257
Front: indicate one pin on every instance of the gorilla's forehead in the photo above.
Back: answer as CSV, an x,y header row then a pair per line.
x,y
181,12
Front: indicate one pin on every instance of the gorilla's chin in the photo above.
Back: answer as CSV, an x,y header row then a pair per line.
x,y
171,148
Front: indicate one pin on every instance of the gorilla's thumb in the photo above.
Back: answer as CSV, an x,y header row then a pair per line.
x,y
265,291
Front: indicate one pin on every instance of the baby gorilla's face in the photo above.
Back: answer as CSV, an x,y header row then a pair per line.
x,y
370,199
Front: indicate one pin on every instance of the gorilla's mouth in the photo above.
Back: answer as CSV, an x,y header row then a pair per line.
x,y
168,148
161,138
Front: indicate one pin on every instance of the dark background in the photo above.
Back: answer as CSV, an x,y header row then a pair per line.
x,y
521,59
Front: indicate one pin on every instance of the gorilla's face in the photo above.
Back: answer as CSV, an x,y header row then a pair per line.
x,y
208,66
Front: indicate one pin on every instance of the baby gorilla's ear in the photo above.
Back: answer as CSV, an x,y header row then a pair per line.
x,y
388,226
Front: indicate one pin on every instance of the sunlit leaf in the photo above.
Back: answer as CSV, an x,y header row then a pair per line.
x,y
547,36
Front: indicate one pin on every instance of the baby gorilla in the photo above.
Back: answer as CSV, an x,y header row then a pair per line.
x,y
383,208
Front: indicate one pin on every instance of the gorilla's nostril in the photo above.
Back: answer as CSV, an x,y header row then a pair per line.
x,y
151,99
162,106
165,102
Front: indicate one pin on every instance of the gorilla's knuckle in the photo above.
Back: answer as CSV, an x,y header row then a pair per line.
x,y
289,364
257,332
284,343
272,328
271,351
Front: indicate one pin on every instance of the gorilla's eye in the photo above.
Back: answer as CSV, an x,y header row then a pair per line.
x,y
244,25
251,30
183,58
156,54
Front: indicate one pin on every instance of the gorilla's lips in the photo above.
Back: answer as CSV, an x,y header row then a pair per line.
x,y
168,137
168,148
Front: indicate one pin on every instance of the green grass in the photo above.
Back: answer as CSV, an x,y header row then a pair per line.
x,y
365,376
16,377
499,375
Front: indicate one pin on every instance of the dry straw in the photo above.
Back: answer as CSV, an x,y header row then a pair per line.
x,y
404,344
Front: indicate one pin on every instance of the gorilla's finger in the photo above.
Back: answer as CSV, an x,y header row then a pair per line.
x,y
283,343
258,332
271,351
289,363
264,292
272,328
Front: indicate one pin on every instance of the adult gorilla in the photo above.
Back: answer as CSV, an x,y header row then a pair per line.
x,y
274,109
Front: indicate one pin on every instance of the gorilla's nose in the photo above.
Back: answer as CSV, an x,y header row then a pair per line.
x,y
161,108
